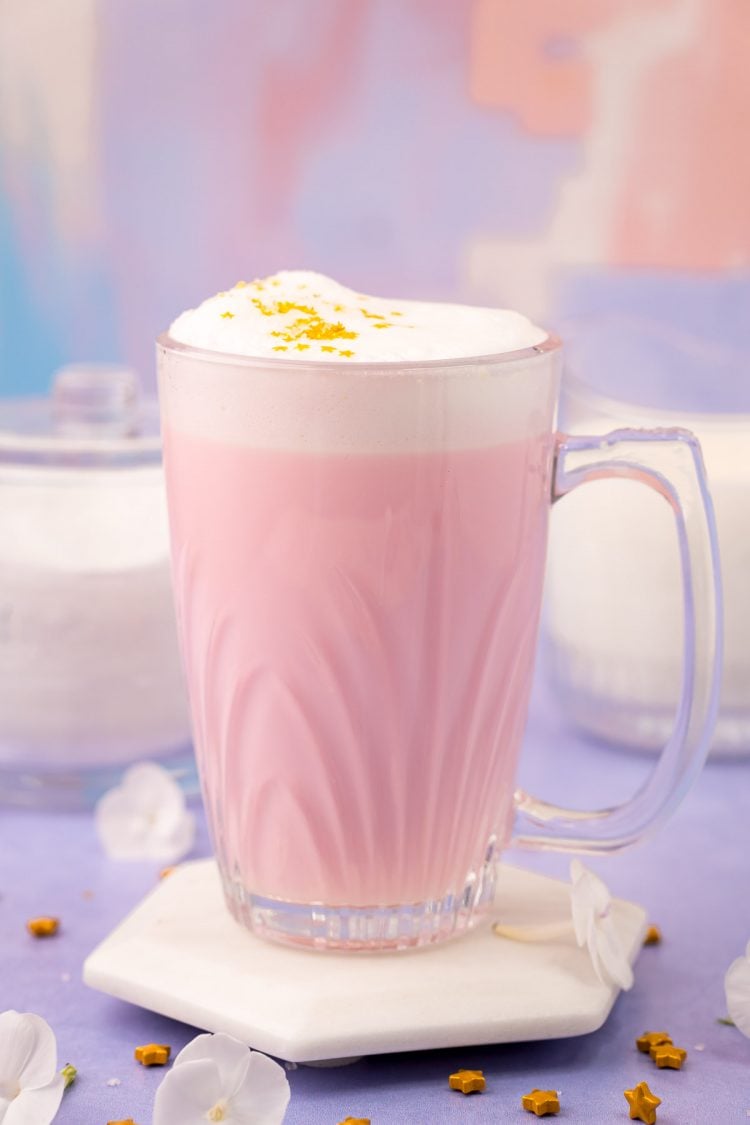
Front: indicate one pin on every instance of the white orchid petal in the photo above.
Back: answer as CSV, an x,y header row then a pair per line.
x,y
252,1088
737,988
147,783
264,1095
38,1106
145,817
593,948
230,1057
187,1093
17,1042
28,1052
41,1068
610,955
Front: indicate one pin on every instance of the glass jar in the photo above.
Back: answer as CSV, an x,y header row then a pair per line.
x,y
89,665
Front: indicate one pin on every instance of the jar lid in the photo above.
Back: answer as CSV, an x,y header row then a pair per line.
x,y
95,416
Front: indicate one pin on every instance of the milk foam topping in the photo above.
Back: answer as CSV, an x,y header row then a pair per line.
x,y
298,315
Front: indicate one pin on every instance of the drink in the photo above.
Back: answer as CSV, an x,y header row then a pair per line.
x,y
358,494
358,603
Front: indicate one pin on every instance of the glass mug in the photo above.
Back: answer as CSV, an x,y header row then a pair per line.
x,y
358,555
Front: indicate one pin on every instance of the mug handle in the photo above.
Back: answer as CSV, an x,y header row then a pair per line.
x,y
670,462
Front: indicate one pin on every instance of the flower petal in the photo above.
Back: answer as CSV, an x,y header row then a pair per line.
x,y
28,1050
145,817
611,959
737,988
230,1057
264,1094
38,1106
187,1093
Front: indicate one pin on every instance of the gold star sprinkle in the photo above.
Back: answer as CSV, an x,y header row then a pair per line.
x,y
43,927
153,1054
346,353
541,1102
302,347
122,1121
327,348
227,315
653,936
281,348
642,1103
355,1121
666,1054
651,1039
468,1081
386,325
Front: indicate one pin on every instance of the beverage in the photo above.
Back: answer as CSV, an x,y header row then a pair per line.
x,y
358,494
380,634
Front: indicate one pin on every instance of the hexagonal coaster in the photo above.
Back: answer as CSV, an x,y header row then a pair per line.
x,y
180,953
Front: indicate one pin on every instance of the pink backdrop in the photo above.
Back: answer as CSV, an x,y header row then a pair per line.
x,y
494,150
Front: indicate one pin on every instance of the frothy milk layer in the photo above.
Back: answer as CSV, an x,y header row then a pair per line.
x,y
305,316
247,399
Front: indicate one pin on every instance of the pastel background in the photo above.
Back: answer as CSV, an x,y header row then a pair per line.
x,y
571,159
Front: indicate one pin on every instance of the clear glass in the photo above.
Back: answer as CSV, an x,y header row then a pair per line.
x,y
614,639
358,556
89,661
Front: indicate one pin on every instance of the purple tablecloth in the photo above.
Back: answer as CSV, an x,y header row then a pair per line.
x,y
692,878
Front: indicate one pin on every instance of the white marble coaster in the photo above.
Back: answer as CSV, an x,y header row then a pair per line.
x,y
180,953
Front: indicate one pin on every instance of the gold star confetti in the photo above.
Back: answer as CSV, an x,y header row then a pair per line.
x,y
281,348
302,347
468,1081
227,315
43,927
653,936
666,1054
651,1039
346,353
153,1054
327,348
642,1104
541,1102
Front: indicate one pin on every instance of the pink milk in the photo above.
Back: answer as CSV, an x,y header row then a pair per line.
x,y
359,632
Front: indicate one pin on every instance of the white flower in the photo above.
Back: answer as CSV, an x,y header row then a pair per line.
x,y
30,1087
217,1078
145,817
737,987
594,926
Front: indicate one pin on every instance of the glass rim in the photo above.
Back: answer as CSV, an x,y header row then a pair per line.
x,y
362,367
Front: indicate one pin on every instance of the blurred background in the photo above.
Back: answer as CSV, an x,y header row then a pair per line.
x,y
574,160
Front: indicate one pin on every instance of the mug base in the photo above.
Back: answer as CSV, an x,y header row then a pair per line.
x,y
363,928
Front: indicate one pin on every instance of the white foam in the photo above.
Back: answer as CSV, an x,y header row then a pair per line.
x,y
306,316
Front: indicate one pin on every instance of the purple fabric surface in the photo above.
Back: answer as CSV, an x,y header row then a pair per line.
x,y
692,878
